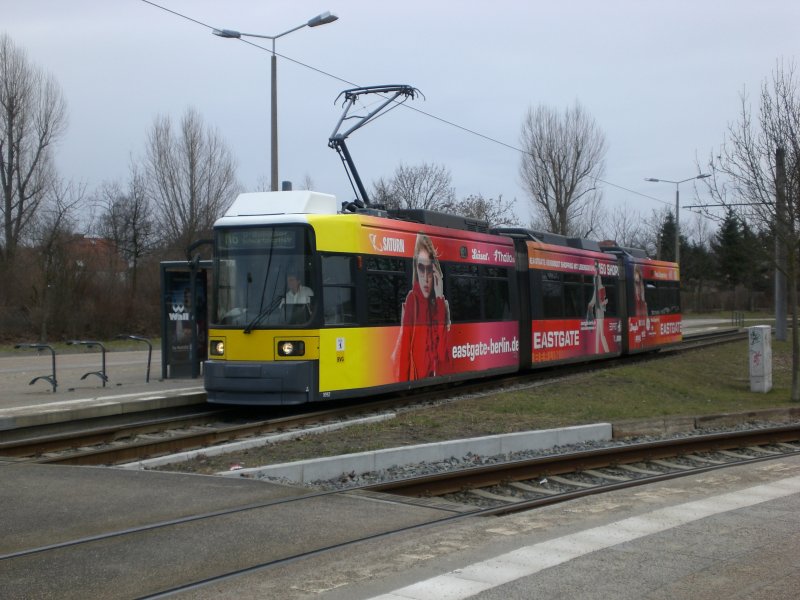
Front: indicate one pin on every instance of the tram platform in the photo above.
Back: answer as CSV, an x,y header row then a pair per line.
x,y
28,399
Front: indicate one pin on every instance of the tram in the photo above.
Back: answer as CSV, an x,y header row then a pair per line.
x,y
312,303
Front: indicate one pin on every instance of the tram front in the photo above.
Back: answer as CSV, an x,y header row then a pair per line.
x,y
264,335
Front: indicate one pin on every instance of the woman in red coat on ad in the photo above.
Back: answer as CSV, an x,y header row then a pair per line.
x,y
421,348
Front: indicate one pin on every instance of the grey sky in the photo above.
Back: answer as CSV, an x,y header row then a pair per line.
x,y
662,79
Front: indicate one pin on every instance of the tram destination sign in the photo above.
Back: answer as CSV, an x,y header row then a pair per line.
x,y
251,238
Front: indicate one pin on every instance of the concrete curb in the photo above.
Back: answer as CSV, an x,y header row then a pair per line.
x,y
671,425
305,471
160,461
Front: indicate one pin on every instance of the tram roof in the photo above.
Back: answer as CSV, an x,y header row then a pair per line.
x,y
252,204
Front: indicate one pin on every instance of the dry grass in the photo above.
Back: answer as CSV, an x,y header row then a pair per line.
x,y
708,381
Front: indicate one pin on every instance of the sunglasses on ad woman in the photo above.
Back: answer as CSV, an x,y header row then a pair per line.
x,y
425,270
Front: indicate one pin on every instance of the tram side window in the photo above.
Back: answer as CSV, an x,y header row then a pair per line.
x,y
464,293
497,295
338,293
387,287
662,297
552,295
610,291
574,306
610,286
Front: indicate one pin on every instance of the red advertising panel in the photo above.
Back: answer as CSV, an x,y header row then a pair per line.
x,y
570,339
469,247
655,291
428,343
659,271
480,346
653,331
555,259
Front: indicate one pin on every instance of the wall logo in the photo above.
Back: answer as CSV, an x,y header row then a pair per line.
x,y
387,244
179,313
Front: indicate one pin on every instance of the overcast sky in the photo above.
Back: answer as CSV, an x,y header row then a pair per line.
x,y
662,79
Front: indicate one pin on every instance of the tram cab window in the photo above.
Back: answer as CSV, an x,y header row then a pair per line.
x,y
253,266
338,289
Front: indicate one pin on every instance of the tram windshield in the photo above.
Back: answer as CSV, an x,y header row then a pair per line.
x,y
263,277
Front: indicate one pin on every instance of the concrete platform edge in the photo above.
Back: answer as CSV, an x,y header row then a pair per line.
x,y
90,408
306,471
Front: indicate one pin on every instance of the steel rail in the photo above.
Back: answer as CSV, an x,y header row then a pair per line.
x,y
489,475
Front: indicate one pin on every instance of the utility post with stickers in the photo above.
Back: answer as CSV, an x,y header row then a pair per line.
x,y
760,354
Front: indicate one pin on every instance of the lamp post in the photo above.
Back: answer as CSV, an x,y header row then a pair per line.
x,y
321,19
677,207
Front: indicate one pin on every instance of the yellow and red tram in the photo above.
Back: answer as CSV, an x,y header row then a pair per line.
x,y
311,304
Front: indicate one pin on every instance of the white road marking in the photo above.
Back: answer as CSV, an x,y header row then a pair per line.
x,y
502,569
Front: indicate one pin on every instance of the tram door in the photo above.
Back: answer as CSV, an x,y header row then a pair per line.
x,y
184,318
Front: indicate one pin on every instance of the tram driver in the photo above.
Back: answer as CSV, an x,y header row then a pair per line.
x,y
297,300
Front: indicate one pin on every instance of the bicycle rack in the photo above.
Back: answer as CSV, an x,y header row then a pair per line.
x,y
49,378
89,344
139,338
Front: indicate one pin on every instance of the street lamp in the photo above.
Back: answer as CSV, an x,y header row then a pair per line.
x,y
321,19
677,207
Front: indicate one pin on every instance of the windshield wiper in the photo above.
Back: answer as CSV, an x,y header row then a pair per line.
x,y
264,313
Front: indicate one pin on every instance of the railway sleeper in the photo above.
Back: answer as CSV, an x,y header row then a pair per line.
x,y
764,450
668,464
533,488
736,455
639,470
788,446
572,482
606,476
486,495
704,459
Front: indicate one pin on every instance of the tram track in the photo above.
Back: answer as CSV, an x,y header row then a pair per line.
x,y
525,484
718,451
154,434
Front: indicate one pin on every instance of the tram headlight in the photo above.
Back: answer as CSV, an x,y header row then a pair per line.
x,y
291,348
216,347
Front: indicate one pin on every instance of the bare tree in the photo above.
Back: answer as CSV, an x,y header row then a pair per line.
x,y
497,213
52,289
191,176
564,156
32,118
425,186
127,221
625,227
757,174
